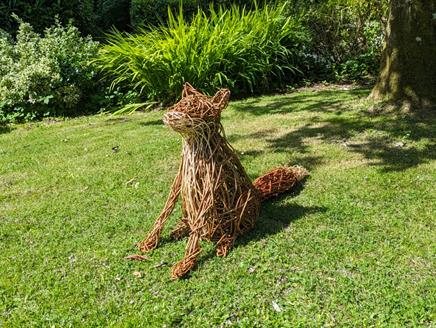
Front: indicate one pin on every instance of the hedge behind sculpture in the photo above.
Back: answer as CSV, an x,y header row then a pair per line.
x,y
219,202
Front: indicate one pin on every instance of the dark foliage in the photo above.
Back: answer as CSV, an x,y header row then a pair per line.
x,y
89,16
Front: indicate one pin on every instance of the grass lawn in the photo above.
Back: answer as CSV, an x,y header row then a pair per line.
x,y
354,247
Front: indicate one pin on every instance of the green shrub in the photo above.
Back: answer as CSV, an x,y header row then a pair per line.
x,y
41,76
365,62
243,50
347,36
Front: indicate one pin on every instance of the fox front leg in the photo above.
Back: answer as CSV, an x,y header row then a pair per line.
x,y
224,245
151,241
190,259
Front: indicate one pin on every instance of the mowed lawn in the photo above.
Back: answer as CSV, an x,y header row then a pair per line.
x,y
355,246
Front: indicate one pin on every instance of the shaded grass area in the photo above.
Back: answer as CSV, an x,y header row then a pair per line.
x,y
354,246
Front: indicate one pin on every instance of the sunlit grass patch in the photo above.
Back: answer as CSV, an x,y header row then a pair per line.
x,y
354,246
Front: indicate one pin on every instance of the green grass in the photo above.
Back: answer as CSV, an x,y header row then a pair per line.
x,y
354,247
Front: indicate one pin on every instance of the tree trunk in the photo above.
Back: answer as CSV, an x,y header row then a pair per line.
x,y
408,67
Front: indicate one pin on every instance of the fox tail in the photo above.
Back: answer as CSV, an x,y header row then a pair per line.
x,y
279,180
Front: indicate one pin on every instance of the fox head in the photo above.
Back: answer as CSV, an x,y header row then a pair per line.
x,y
196,113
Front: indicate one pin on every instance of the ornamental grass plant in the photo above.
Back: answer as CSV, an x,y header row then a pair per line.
x,y
246,51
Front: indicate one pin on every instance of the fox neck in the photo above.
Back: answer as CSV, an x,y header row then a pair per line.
x,y
204,144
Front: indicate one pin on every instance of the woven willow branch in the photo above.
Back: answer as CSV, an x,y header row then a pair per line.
x,y
219,202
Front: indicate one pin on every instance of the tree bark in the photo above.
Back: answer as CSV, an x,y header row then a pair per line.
x,y
408,68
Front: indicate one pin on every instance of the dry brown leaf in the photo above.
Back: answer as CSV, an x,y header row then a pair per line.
x,y
137,274
136,257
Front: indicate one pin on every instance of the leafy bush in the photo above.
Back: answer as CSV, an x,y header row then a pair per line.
x,y
365,62
347,36
243,50
41,76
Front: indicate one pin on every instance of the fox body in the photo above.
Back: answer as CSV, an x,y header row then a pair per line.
x,y
219,201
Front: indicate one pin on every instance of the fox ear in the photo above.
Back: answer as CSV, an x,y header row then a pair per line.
x,y
188,90
221,98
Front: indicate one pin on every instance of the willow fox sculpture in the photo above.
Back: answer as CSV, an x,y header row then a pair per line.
x,y
219,202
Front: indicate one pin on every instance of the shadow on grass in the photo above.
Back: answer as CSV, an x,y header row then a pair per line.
x,y
4,128
318,101
152,123
276,216
260,134
391,141
116,120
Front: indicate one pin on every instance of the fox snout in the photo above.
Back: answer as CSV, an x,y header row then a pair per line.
x,y
170,117
179,122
